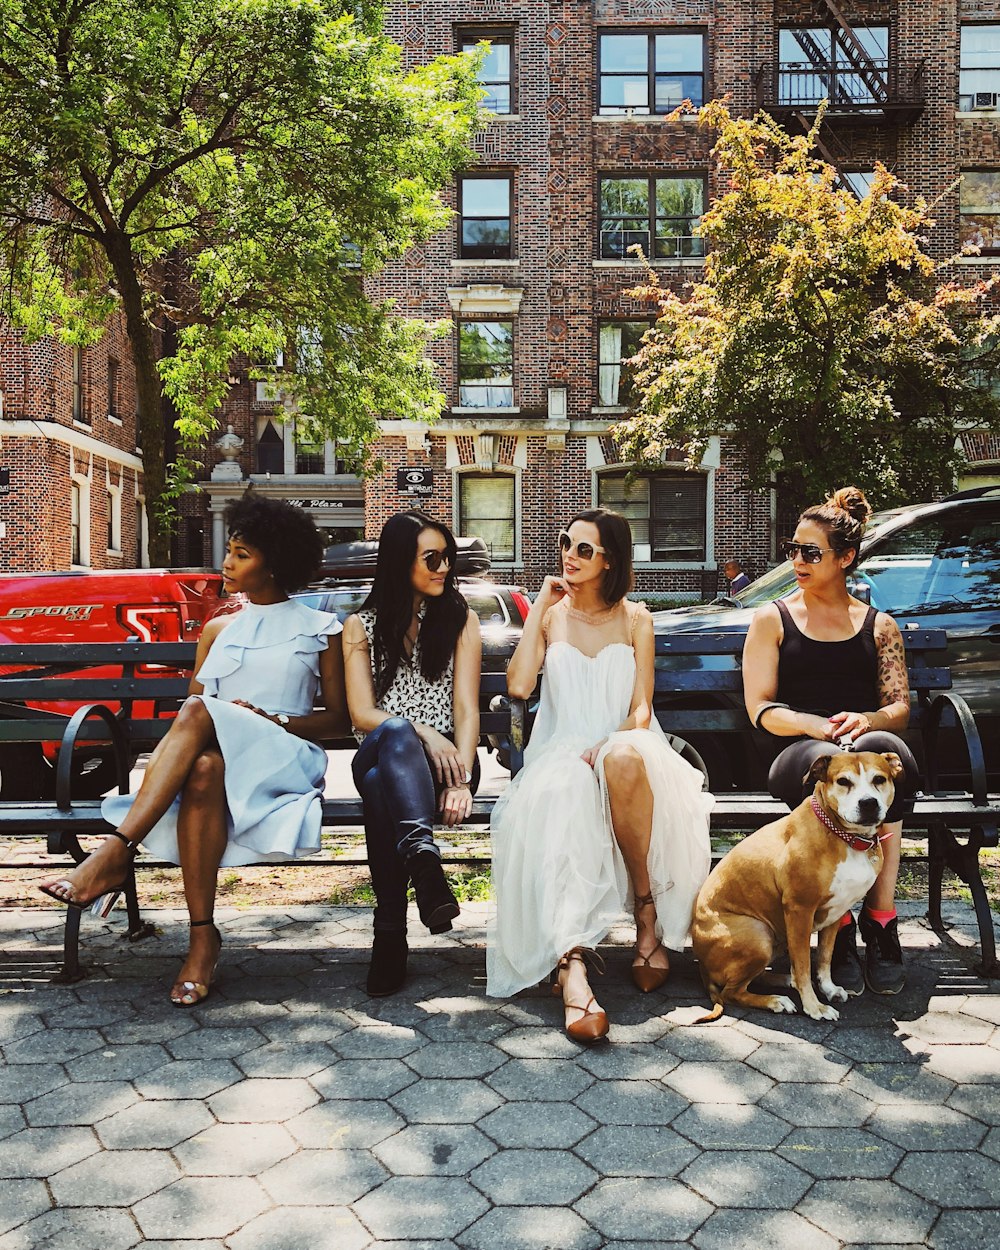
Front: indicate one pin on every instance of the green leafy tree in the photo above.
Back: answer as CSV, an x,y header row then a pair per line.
x,y
822,339
224,174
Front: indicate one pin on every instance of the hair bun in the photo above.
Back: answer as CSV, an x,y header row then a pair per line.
x,y
851,499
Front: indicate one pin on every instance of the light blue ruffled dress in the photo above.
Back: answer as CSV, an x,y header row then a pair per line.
x,y
269,655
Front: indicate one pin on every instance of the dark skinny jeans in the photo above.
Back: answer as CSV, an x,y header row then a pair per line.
x,y
788,772
396,784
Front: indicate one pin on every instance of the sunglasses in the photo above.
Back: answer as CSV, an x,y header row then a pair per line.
x,y
810,552
586,551
434,560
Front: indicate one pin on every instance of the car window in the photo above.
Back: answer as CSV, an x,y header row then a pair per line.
x,y
938,564
344,601
488,606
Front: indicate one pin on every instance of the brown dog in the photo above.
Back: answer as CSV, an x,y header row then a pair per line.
x,y
795,876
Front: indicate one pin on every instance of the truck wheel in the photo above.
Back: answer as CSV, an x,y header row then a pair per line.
x,y
23,772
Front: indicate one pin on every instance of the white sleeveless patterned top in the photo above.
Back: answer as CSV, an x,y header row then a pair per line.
x,y
411,695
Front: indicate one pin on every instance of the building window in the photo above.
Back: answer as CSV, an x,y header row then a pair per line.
x,y
658,214
484,218
113,398
75,511
819,63
979,220
496,74
486,364
650,73
79,520
979,68
617,341
310,450
114,519
77,383
486,510
270,450
858,181
140,534
666,511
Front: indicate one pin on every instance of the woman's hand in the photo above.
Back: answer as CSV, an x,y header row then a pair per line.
x,y
257,711
443,756
553,589
455,804
590,755
849,725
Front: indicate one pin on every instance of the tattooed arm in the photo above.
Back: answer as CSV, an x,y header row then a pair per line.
x,y
893,712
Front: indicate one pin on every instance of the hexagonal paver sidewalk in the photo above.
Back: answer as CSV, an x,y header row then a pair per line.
x,y
291,1110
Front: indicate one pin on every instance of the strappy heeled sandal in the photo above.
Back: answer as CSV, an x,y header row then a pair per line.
x,y
197,991
592,1026
644,976
100,904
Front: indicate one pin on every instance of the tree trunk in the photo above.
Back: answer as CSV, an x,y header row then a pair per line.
x,y
149,396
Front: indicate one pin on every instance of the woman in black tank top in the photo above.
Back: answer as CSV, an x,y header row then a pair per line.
x,y
826,673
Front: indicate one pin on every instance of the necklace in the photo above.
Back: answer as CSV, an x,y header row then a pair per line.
x,y
594,618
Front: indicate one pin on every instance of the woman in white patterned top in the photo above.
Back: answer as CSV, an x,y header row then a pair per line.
x,y
412,657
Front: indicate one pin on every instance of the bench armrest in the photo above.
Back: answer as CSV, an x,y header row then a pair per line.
x,y
64,762
973,743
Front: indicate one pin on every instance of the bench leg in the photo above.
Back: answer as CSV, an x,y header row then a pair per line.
x,y
71,971
137,927
935,877
963,859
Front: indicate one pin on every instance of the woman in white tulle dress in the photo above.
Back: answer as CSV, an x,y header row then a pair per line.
x,y
604,813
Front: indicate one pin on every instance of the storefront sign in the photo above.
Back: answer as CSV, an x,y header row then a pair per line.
x,y
414,481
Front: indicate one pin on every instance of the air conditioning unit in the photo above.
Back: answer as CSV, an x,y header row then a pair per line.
x,y
985,100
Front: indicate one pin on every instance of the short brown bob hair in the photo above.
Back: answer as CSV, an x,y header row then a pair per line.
x,y
616,539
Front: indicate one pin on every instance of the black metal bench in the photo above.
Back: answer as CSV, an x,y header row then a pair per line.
x,y
698,700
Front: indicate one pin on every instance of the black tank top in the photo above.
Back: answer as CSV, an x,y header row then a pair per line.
x,y
828,677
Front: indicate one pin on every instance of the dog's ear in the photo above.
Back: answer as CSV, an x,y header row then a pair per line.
x,y
894,762
817,770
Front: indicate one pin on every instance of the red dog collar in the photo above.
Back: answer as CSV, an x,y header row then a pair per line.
x,y
855,843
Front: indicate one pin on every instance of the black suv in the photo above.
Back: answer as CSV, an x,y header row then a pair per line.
x,y
934,565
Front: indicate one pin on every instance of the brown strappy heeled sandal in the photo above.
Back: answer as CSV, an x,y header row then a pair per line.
x,y
593,1025
195,992
104,900
644,976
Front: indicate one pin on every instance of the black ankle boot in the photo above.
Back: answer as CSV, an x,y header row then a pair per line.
x,y
883,957
435,901
387,970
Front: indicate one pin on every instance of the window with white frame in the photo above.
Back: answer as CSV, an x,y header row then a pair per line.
x,y
486,364
79,520
667,512
659,214
310,449
979,67
496,73
487,506
617,342
270,449
650,72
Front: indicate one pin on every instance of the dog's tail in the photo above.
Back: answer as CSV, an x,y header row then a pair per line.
x,y
714,1014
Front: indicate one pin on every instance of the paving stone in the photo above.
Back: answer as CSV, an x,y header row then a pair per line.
x,y
298,1030
630,1208
414,1245
885,1083
16,1023
983,1007
11,1120
817,1106
24,1081
730,1126
253,1101
836,1152
702,1042
951,1178
79,1227
235,1149
640,1062
281,1059
22,1201
631,1102
119,1063
456,1059
537,1124
647,1150
439,1101
951,1028
544,1080
345,1124
968,1065
718,1082
530,1228
216,1043
870,1045
201,1206
800,1063
323,1177
427,1207
301,1228
153,1125
44,1151
851,1209
384,1042
189,1078
962,1230
768,1230
83,1102
981,1102
54,1046
434,1150
448,1019
532,1177
151,1026
201,1244
89,1014
748,1178
538,1043
915,1126
782,1030
363,1078
114,1178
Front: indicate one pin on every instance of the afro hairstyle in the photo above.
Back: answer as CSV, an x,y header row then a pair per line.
x,y
286,536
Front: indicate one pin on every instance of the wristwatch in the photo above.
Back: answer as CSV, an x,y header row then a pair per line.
x,y
282,718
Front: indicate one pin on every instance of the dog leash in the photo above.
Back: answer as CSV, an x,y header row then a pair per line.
x,y
870,845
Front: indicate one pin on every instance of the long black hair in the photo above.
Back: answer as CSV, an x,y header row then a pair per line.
x,y
391,599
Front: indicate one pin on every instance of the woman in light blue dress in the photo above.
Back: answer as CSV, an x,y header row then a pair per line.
x,y
238,778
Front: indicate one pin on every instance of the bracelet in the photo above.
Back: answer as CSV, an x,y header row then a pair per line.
x,y
766,708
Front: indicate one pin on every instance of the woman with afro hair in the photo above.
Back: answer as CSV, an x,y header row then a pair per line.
x,y
238,778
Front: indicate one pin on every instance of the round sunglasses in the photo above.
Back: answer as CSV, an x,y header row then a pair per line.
x,y
810,552
586,551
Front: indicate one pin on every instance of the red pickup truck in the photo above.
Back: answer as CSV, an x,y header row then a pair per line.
x,y
152,605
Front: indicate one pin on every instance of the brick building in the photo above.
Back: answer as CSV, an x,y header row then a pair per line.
x,y
579,161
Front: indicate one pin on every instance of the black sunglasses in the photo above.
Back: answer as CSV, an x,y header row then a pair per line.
x,y
810,552
585,551
434,560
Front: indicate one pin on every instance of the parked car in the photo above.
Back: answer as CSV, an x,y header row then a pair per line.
x,y
932,565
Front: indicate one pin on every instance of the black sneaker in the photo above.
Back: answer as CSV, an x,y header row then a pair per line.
x,y
845,963
883,958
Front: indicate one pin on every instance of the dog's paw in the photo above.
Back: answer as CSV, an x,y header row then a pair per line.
x,y
821,1012
781,1005
833,993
